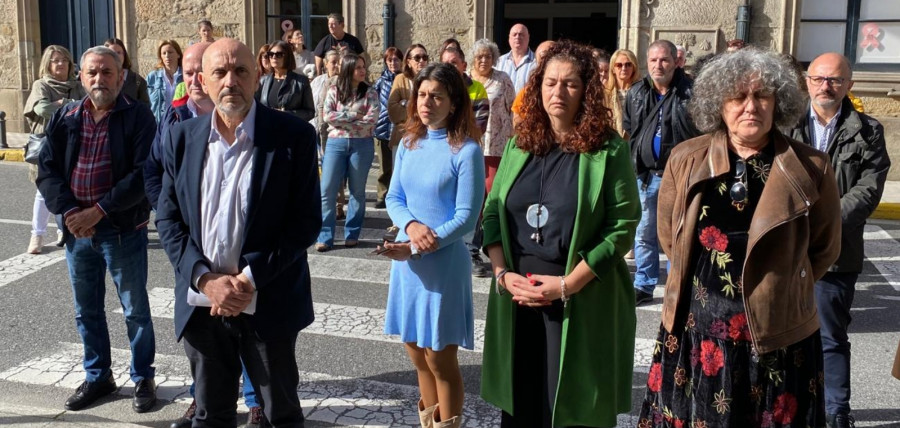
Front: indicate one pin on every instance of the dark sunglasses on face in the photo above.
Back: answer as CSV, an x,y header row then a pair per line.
x,y
418,58
272,54
738,190
624,65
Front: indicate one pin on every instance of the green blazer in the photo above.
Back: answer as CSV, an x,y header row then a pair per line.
x,y
597,355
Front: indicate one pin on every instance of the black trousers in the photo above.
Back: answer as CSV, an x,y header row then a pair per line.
x,y
535,366
215,347
834,297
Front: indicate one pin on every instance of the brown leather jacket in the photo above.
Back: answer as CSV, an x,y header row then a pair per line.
x,y
794,236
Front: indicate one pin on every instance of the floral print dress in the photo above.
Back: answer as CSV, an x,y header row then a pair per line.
x,y
705,373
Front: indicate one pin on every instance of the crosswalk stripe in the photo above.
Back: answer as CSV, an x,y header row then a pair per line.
x,y
325,398
362,323
878,241
370,269
18,267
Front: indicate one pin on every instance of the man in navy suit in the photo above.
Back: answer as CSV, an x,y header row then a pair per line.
x,y
239,206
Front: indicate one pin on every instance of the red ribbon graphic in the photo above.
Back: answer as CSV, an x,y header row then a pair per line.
x,y
870,33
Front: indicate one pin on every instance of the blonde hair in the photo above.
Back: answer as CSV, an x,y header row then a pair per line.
x,y
612,87
45,60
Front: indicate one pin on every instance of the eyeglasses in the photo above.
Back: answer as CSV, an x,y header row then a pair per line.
x,y
272,54
59,61
624,65
418,58
738,190
835,82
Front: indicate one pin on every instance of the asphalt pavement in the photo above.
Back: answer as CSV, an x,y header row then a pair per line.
x,y
351,374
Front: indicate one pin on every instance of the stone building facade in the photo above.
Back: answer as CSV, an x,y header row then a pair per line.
x,y
700,25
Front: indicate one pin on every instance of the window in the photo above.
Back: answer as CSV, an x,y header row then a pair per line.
x,y
311,16
866,31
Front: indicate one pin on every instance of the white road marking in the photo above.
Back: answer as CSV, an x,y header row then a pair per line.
x,y
326,398
18,267
371,269
24,223
883,246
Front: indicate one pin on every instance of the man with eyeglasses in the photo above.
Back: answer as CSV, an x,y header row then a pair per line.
x,y
656,118
856,145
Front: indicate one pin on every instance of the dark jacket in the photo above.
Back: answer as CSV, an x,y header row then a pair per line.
x,y
131,130
794,235
283,217
861,163
383,126
294,97
136,87
177,111
641,117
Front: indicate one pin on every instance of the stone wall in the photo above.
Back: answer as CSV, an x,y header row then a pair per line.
x,y
428,22
17,60
156,20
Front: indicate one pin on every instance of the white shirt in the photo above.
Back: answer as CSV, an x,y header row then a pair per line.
x,y
518,73
224,197
822,134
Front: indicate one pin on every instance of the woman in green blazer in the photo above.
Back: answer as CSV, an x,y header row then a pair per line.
x,y
559,339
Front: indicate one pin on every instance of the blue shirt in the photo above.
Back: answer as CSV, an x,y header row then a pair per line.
x,y
657,139
518,73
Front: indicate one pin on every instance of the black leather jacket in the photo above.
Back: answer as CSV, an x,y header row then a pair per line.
x,y
861,163
640,119
294,97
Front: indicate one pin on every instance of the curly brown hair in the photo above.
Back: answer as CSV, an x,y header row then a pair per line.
x,y
593,121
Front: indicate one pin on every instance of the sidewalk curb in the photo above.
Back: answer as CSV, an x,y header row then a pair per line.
x,y
12,155
887,211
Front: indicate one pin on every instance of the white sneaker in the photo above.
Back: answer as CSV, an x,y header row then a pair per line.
x,y
59,238
34,246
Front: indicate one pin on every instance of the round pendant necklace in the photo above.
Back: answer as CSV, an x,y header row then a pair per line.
x,y
537,214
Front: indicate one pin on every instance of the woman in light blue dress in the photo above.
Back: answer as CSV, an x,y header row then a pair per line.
x,y
435,197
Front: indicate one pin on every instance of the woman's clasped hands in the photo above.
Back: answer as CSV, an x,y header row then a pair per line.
x,y
532,289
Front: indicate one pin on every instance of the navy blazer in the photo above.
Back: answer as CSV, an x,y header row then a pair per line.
x,y
283,220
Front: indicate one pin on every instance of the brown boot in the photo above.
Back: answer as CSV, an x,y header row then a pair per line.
x,y
453,422
425,414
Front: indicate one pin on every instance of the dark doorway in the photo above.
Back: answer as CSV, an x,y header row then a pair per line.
x,y
595,22
76,24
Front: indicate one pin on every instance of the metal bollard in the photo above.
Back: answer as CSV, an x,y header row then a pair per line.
x,y
3,144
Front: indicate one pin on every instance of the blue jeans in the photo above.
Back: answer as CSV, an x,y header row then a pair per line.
x,y
249,393
125,256
646,242
834,296
350,158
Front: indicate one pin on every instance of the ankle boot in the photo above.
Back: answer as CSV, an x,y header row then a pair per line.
x,y
425,415
453,422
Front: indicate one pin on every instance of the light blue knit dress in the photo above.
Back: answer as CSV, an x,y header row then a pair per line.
x,y
430,299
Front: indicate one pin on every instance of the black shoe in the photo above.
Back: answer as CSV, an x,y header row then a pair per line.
x,y
186,420
380,204
479,269
89,392
256,418
144,395
641,297
840,421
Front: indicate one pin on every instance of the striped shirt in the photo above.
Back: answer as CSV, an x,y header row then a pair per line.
x,y
821,134
518,73
92,176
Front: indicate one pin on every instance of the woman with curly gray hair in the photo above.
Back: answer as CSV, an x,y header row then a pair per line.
x,y
749,221
501,94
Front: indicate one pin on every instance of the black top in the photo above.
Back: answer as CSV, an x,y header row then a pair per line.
x,y
273,93
329,42
560,199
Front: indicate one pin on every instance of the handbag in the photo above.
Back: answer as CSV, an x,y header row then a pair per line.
x,y
33,148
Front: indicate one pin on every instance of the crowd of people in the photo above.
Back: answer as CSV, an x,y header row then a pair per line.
x,y
556,164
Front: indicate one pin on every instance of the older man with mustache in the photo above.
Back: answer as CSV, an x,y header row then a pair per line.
x,y
856,144
90,172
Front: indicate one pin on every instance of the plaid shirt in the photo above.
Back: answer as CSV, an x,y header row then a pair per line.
x,y
92,176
